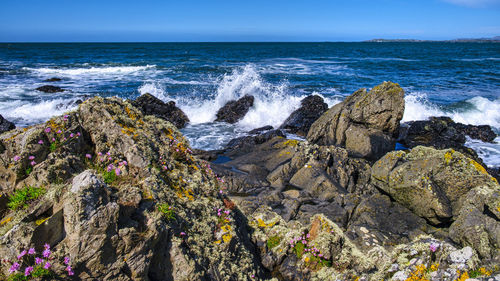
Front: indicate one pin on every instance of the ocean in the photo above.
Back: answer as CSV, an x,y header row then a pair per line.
x,y
459,80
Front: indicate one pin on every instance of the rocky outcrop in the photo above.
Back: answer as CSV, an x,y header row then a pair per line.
x,y
6,125
50,89
365,123
53,79
299,122
432,183
150,105
123,198
233,110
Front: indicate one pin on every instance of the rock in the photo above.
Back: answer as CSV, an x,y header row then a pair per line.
x,y
431,183
50,89
260,130
150,105
247,143
6,125
53,79
461,256
442,133
299,122
233,111
365,122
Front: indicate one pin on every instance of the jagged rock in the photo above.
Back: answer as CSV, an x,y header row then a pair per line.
x,y
53,79
50,89
365,123
248,143
260,130
442,133
431,183
299,122
150,105
6,125
233,111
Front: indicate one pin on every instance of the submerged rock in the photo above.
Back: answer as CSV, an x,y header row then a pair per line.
x,y
50,89
365,123
150,105
6,125
53,79
299,122
233,111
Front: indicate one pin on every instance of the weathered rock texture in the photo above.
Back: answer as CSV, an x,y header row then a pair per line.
x,y
50,89
233,111
150,105
365,123
299,122
6,125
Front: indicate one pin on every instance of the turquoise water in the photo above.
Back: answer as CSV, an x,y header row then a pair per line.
x,y
460,80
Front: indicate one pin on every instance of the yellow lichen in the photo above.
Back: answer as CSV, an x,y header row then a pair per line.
x,y
227,237
6,220
40,221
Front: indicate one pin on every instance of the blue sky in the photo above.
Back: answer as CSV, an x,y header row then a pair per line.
x,y
255,20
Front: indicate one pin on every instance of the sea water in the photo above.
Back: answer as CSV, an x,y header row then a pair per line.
x,y
459,80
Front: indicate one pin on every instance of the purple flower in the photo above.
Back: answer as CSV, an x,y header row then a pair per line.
x,y
109,158
66,116
53,139
227,212
69,270
66,260
47,265
71,135
118,171
110,167
17,158
78,134
108,153
46,246
21,255
28,270
47,130
100,153
220,191
40,142
183,233
31,157
38,260
33,163
165,168
434,246
308,235
46,253
15,267
59,131
88,156
31,251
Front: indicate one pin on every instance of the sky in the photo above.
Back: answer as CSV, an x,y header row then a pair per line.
x,y
251,20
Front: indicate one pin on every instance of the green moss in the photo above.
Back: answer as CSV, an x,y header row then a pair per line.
x,y
298,249
166,210
273,241
21,198
109,177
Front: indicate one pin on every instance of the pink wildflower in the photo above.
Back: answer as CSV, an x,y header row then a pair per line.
x,y
53,139
308,235
46,246
28,270
220,191
31,157
46,253
59,131
40,142
100,153
66,260
33,163
47,265
15,267
88,156
71,135
110,167
17,158
21,255
47,130
108,153
227,212
31,251
38,260
182,233
118,171
433,246
78,134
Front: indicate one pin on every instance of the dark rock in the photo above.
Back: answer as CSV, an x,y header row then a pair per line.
x,y
53,79
151,105
50,89
260,130
233,111
365,123
299,122
6,125
246,143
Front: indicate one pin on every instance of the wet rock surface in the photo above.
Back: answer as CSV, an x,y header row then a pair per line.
x,y
235,110
6,125
150,105
50,89
299,122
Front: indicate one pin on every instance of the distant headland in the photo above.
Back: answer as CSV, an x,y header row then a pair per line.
x,y
495,39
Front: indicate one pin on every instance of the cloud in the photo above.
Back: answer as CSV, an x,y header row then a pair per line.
x,y
474,3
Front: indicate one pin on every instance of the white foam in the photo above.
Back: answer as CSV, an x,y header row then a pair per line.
x,y
418,107
155,89
489,152
25,113
69,72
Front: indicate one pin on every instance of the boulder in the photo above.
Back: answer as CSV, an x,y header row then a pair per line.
x,y
53,79
365,122
299,122
50,89
233,110
431,183
6,125
150,105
